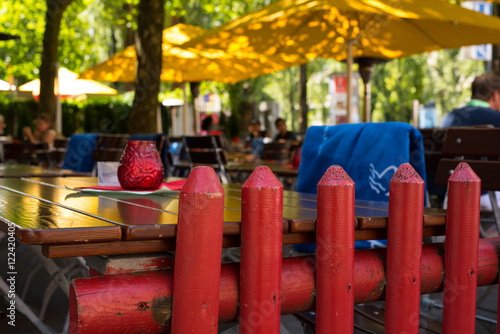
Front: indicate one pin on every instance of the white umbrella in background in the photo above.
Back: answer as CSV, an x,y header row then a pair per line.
x,y
66,85
4,86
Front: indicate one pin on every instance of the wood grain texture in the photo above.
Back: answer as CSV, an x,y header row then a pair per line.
x,y
25,170
38,222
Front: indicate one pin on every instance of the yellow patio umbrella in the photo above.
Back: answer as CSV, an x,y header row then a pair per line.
x,y
188,64
191,65
344,29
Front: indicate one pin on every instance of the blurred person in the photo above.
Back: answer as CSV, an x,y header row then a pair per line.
x,y
2,125
254,131
283,133
44,132
206,126
482,109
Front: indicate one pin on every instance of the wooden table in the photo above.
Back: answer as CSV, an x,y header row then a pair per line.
x,y
69,223
8,170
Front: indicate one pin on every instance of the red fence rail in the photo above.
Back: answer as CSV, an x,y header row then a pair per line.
x,y
330,283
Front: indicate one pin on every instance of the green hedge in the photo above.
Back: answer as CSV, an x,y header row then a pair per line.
x,y
103,116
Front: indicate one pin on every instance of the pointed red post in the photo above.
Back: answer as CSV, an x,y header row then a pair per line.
x,y
461,251
261,248
404,251
195,302
335,253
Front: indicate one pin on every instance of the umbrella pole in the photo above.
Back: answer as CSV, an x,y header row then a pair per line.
x,y
366,99
58,101
349,79
185,110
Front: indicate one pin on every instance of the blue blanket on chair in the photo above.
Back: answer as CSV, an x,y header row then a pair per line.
x,y
78,155
370,153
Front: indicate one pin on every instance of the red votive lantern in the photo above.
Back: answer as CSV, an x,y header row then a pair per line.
x,y
140,166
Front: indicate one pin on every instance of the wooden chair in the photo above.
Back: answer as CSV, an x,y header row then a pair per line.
x,y
433,139
276,151
206,150
59,151
109,147
51,158
20,152
180,164
480,148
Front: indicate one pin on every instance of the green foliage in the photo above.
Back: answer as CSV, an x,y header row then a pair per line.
x,y
83,38
22,57
442,76
450,78
17,115
106,115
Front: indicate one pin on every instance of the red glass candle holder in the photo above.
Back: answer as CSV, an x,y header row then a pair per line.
x,y
140,166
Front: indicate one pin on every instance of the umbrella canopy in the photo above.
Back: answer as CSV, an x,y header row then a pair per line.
x,y
190,65
344,29
70,85
4,85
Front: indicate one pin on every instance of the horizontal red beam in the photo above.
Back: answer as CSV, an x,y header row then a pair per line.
x,y
142,302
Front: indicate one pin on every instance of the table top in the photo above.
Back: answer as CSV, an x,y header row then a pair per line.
x,y
67,222
8,170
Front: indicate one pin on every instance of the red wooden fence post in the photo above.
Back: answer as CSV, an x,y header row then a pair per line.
x,y
404,251
335,253
195,303
261,248
461,251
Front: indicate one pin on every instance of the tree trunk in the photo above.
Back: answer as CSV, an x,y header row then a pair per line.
x,y
304,108
48,68
147,85
291,99
195,92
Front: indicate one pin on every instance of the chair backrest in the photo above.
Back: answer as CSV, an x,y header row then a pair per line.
x,y
276,151
59,151
206,150
479,147
109,147
52,158
20,152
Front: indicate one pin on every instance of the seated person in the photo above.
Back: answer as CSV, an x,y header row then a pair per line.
x,y
206,126
483,108
44,132
254,131
283,133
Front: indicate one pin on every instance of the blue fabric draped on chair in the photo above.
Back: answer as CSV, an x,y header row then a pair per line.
x,y
370,153
78,155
